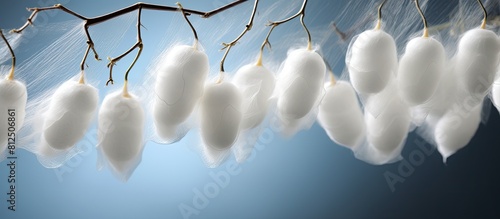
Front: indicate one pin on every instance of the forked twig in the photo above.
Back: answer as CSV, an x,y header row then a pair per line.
x,y
99,19
274,24
228,46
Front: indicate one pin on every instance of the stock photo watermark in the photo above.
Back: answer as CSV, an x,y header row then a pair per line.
x,y
222,178
407,166
11,158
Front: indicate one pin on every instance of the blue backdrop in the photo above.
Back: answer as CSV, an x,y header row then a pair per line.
x,y
306,176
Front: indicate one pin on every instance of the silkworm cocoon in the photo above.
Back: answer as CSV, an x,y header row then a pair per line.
x,y
389,129
455,129
420,69
220,114
178,87
300,83
477,60
341,116
257,85
121,125
71,110
13,97
371,61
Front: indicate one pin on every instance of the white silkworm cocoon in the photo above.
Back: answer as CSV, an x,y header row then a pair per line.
x,y
121,127
257,85
477,61
13,97
420,70
71,110
341,116
455,130
179,86
387,130
300,83
220,115
371,60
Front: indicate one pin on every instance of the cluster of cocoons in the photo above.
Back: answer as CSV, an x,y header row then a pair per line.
x,y
396,91
449,99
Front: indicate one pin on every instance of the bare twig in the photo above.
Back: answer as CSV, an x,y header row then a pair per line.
x,y
274,24
266,42
96,20
379,20
184,14
228,46
10,76
426,30
485,14
138,44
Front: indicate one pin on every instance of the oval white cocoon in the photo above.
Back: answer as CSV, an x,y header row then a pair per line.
x,y
300,83
121,127
13,95
455,130
420,69
256,84
179,86
372,59
71,110
341,116
477,61
387,130
220,115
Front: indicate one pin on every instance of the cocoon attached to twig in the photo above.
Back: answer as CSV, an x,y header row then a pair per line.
x,y
300,83
179,86
371,60
341,116
257,85
220,114
120,137
420,70
13,96
477,61
70,113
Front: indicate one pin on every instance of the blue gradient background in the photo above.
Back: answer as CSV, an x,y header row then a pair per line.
x,y
306,176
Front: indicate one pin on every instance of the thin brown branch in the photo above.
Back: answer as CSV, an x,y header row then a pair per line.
x,y
274,24
424,20
138,44
11,74
221,9
485,14
99,19
184,14
227,46
301,12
